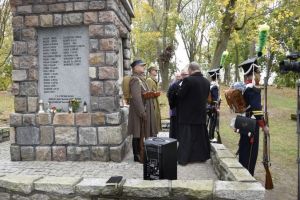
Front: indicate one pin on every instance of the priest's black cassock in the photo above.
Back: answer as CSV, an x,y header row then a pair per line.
x,y
193,138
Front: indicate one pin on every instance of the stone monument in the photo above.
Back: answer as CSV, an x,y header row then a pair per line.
x,y
69,50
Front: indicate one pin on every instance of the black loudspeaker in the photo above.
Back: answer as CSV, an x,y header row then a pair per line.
x,y
160,159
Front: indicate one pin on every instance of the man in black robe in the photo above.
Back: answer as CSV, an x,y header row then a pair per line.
x,y
193,138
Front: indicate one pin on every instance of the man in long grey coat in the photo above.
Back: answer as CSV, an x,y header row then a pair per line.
x,y
141,120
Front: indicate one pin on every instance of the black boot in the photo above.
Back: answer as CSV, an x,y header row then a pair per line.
x,y
136,149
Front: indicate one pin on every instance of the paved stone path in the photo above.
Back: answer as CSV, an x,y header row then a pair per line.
x,y
127,168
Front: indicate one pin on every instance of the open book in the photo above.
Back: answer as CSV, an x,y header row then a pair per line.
x,y
115,181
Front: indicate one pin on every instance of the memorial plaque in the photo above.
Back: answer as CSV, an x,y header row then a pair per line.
x,y
63,66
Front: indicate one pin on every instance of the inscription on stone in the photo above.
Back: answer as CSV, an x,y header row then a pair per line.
x,y
63,61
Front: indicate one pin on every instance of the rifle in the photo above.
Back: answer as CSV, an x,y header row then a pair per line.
x,y
142,136
266,147
219,140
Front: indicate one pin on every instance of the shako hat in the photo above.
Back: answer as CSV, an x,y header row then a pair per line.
x,y
214,72
249,65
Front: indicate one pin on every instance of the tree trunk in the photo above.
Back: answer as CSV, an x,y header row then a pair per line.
x,y
252,51
165,78
236,68
269,65
225,32
227,74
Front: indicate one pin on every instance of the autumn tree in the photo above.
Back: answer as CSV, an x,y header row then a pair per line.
x,y
5,44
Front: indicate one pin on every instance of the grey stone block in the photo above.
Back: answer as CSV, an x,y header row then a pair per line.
x,y
238,190
19,75
97,5
27,153
32,104
40,8
15,153
224,153
43,153
107,104
59,153
29,120
239,174
117,153
27,135
97,31
111,88
90,17
87,136
215,146
100,154
96,88
57,21
12,135
33,48
111,58
113,118
193,189
44,118
126,54
66,135
72,19
78,153
24,9
29,34
81,5
83,153
58,185
47,136
125,112
18,183
19,48
71,153
90,186
15,89
146,189
46,20
126,44
17,22
110,135
20,104
28,62
28,88
15,119
111,30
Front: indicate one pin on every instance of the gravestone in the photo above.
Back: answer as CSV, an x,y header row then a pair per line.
x,y
64,50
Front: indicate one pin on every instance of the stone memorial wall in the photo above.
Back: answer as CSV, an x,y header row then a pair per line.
x,y
65,50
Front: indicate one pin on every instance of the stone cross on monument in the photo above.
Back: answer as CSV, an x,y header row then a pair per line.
x,y
69,50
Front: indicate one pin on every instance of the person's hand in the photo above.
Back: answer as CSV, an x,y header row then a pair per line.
x,y
236,130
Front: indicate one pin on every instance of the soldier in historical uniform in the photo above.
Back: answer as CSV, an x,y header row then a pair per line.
x,y
141,119
152,83
213,106
248,144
